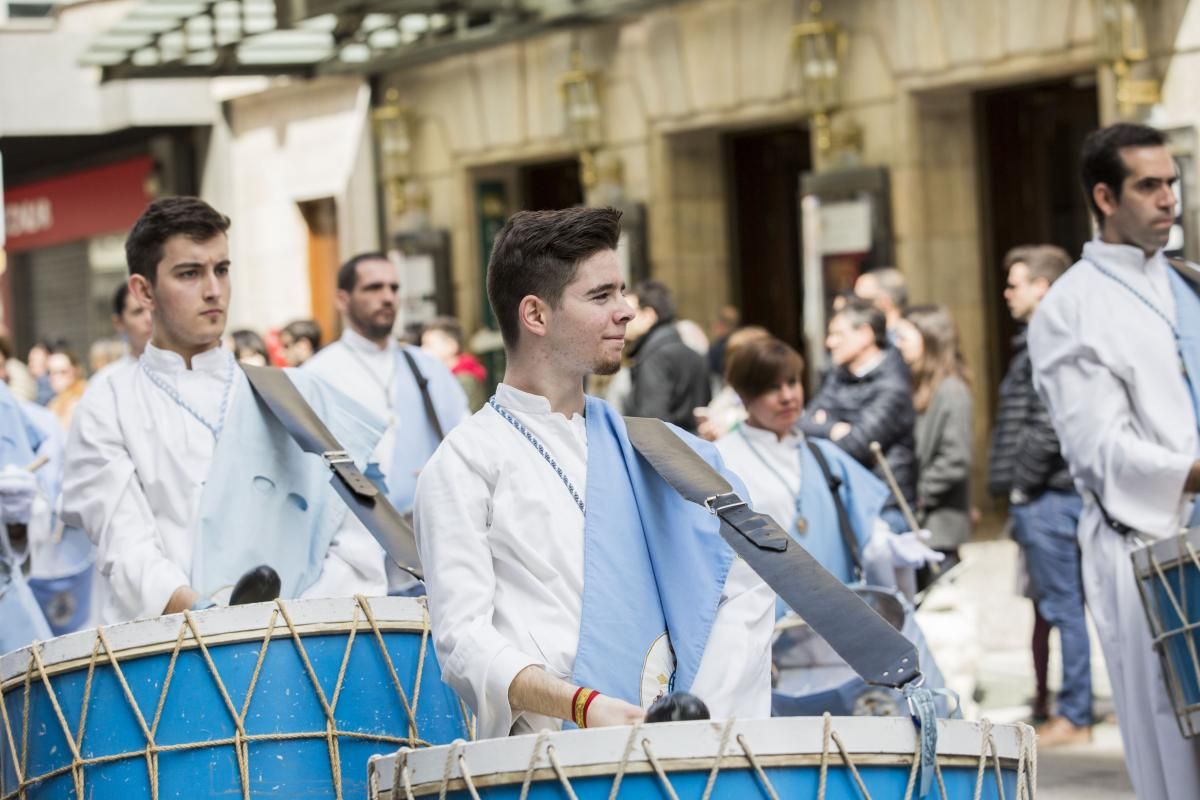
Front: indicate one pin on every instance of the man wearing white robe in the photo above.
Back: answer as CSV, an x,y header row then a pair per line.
x,y
142,441
1107,363
369,365
501,529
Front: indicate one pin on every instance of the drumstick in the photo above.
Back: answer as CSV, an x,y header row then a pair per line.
x,y
37,463
895,487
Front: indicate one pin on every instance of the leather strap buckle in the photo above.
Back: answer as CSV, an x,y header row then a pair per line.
x,y
344,467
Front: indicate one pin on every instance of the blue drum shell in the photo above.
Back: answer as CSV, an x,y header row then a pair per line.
x,y
291,736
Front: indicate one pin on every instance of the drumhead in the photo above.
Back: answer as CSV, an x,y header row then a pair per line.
x,y
779,740
1166,552
218,625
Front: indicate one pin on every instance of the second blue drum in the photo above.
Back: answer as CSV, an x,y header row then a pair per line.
x,y
272,700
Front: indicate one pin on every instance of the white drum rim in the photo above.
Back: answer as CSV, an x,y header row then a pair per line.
x,y
892,739
1166,551
218,626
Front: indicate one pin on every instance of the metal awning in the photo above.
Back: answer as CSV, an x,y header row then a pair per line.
x,y
196,38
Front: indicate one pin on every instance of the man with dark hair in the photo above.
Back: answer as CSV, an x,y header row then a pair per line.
x,y
172,465
541,488
867,397
301,340
415,394
669,379
1115,356
1026,466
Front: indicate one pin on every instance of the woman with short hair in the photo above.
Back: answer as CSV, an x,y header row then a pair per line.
x,y
790,477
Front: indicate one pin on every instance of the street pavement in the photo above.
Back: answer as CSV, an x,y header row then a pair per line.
x,y
979,628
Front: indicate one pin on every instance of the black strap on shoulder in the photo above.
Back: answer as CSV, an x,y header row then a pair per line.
x,y
835,485
1187,270
864,640
276,391
423,385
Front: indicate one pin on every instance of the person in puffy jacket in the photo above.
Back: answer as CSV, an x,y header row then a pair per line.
x,y
867,397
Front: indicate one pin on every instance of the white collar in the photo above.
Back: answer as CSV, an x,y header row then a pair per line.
x,y
870,365
361,344
214,360
763,437
1122,257
514,399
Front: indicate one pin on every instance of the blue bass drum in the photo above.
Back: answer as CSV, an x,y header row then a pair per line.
x,y
272,700
1168,579
799,758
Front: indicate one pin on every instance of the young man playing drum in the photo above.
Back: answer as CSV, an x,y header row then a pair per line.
x,y
179,476
555,560
1122,386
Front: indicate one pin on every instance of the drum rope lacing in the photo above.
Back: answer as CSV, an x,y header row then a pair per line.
x,y
1161,635
241,740
989,754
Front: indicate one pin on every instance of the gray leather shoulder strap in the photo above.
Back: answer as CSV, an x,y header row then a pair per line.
x,y
872,647
281,397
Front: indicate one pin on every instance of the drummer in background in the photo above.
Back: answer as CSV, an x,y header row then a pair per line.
x,y
174,471
542,533
785,479
1108,363
22,519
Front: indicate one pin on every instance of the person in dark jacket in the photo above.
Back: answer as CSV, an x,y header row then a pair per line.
x,y
1027,465
670,380
867,397
928,339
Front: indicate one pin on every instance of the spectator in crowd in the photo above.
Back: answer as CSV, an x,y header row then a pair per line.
x,y
728,320
16,374
250,348
301,340
443,339
865,398
132,321
39,354
67,383
669,379
1026,465
888,290
104,352
927,338
726,410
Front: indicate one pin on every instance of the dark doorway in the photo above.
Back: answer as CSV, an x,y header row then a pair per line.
x,y
765,168
1030,139
551,185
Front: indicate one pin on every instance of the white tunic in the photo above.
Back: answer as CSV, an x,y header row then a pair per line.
x,y
136,465
365,371
501,540
770,468
1108,368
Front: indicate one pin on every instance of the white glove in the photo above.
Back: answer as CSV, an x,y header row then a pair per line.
x,y
18,489
909,549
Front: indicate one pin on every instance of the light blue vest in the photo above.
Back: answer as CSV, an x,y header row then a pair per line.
x,y
654,563
415,438
862,493
267,501
1187,326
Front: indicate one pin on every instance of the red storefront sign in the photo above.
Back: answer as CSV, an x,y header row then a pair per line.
x,y
77,206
